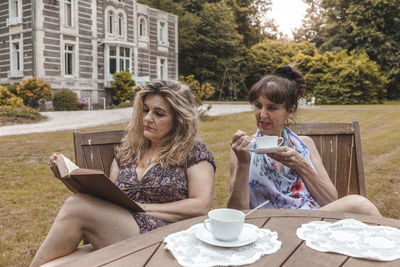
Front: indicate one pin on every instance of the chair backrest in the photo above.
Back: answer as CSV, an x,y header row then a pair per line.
x,y
95,150
339,145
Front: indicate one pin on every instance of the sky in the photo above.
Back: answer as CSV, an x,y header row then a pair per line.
x,y
288,14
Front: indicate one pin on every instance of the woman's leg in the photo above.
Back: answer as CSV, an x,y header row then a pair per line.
x,y
85,217
354,204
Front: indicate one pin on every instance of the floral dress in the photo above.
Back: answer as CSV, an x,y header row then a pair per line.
x,y
285,190
159,184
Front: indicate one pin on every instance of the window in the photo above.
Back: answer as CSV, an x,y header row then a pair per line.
x,y
142,27
162,33
110,22
113,59
68,12
15,13
119,59
120,23
16,64
143,30
14,9
124,59
69,59
162,72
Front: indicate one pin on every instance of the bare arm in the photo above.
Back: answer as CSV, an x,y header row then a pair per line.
x,y
318,183
200,187
239,164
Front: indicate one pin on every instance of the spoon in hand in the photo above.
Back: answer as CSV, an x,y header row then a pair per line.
x,y
256,208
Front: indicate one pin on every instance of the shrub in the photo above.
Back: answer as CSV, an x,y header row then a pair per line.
x,y
12,88
122,86
34,91
343,78
82,103
65,99
16,114
9,99
200,91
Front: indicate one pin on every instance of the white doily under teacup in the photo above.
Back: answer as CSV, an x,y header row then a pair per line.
x,y
352,238
190,251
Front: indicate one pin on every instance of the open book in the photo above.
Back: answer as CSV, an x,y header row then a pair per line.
x,y
92,182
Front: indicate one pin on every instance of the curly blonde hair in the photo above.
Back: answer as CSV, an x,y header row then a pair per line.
x,y
178,142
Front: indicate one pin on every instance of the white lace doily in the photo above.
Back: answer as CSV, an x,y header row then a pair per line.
x,y
352,238
190,251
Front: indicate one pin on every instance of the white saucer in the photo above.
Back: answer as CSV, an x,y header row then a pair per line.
x,y
268,150
247,236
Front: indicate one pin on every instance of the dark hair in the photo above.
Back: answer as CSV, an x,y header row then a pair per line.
x,y
285,85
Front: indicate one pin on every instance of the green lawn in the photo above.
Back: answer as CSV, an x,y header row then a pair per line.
x,y
30,196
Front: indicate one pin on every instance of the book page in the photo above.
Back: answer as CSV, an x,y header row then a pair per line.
x,y
70,165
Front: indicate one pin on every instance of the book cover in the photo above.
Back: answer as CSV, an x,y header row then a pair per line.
x,y
93,182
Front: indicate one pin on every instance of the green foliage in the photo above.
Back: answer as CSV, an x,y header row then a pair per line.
x,y
219,43
122,86
12,88
65,100
264,57
8,113
34,91
9,99
343,78
372,26
200,91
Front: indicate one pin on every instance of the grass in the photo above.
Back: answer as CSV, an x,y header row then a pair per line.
x,y
30,197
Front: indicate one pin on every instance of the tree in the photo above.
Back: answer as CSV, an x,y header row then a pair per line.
x,y
372,26
266,56
218,43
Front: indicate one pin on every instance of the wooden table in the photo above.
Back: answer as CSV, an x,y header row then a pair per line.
x,y
148,249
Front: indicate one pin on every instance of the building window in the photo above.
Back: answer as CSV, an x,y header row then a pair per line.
x,y
15,13
14,9
113,59
162,32
143,30
16,63
69,60
68,12
119,59
162,72
110,22
120,23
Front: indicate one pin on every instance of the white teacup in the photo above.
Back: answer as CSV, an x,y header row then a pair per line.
x,y
268,141
225,224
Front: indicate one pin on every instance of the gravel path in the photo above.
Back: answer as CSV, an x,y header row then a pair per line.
x,y
69,120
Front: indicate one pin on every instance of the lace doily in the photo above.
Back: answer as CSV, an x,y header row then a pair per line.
x,y
190,251
352,238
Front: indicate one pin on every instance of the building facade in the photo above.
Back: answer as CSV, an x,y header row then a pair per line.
x,y
79,44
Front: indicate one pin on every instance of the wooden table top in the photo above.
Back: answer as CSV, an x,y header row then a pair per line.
x,y
148,249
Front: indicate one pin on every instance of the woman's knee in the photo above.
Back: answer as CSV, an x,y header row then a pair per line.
x,y
77,206
360,204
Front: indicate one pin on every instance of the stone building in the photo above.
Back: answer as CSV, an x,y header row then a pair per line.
x,y
79,44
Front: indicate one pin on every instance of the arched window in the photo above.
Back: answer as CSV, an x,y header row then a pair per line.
x,y
120,23
110,22
142,27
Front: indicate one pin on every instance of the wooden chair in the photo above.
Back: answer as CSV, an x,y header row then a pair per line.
x,y
339,145
95,150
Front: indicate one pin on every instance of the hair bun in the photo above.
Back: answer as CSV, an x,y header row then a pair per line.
x,y
285,72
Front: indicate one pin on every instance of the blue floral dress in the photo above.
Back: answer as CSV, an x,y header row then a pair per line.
x,y
285,190
160,184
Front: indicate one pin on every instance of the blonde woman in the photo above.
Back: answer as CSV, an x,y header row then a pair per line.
x,y
160,164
